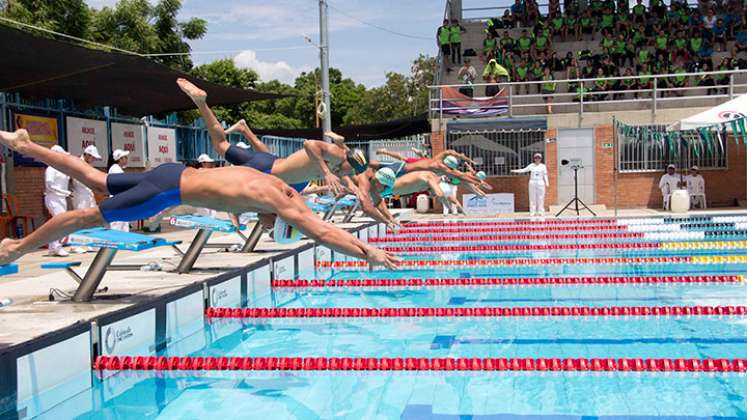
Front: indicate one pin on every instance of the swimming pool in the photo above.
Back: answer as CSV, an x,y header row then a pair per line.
x,y
546,306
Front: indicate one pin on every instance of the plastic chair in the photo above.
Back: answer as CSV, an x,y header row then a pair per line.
x,y
11,217
701,200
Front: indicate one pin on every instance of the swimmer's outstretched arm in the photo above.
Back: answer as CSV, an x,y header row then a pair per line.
x,y
214,128
391,154
290,207
454,153
364,197
316,150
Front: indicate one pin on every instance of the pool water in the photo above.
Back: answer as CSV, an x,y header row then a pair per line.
x,y
458,395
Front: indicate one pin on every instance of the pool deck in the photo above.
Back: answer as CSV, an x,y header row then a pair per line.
x,y
32,315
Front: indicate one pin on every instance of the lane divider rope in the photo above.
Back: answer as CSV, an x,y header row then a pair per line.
x,y
190,363
500,281
543,261
496,312
434,230
517,223
509,238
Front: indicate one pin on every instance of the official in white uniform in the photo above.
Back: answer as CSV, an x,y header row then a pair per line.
x,y
82,195
538,184
56,192
669,182
206,162
120,162
696,187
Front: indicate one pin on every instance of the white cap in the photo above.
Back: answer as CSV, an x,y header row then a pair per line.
x,y
671,166
695,168
537,155
243,145
92,151
119,154
204,158
58,149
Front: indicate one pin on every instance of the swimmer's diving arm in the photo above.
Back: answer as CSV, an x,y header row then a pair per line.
x,y
316,151
362,192
393,155
294,211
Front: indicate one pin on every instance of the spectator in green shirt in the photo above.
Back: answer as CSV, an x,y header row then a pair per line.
x,y
608,20
494,71
557,24
644,57
724,65
443,39
679,80
542,44
607,41
621,50
645,81
507,43
572,27
573,72
601,84
489,46
521,74
549,86
656,7
524,43
661,42
639,13
707,80
588,24
696,42
536,73
456,41
627,84
622,22
680,48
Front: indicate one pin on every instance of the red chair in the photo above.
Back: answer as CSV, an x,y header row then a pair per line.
x,y
10,217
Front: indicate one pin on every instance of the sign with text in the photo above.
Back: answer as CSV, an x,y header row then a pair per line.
x,y
42,130
82,133
161,146
129,137
491,203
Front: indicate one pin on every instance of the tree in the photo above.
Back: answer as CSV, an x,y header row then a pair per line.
x,y
71,17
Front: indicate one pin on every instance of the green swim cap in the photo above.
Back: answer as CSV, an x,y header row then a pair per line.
x,y
387,178
455,181
451,162
482,175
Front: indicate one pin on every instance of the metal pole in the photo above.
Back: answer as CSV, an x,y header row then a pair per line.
x,y
653,98
581,105
614,160
324,58
190,257
510,101
731,86
94,275
253,239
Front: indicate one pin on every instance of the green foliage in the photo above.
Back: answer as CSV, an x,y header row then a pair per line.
x,y
71,17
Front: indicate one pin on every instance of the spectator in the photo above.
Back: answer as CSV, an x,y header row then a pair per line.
x,y
679,80
508,20
709,21
507,43
518,12
557,24
661,42
588,24
629,84
495,71
572,27
608,20
607,40
622,51
443,38
524,43
657,8
637,38
696,43
56,192
536,72
623,8
740,43
542,60
548,88
467,73
705,53
522,75
644,57
723,79
669,182
639,13
645,81
719,34
532,12
601,84
456,41
555,63
706,80
572,73
696,187
489,47
622,22
680,48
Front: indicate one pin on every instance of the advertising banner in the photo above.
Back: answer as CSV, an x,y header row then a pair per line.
x,y
161,146
82,132
129,137
43,130
491,203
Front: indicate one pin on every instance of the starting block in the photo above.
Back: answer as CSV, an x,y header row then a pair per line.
x,y
330,205
109,242
205,227
8,269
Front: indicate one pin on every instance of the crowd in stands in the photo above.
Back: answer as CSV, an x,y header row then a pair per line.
x,y
638,41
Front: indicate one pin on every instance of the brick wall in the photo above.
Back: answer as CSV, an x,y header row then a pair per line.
x,y
723,187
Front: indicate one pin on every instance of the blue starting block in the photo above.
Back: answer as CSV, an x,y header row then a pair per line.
x,y
348,202
109,243
205,227
8,269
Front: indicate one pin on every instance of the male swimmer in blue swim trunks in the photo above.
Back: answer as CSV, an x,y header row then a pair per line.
x,y
136,196
317,159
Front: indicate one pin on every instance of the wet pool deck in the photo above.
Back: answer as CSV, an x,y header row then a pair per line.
x,y
32,315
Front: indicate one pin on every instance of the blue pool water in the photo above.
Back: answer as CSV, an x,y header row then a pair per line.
x,y
457,395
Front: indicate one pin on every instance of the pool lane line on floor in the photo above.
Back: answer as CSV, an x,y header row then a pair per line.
x,y
495,312
500,281
162,363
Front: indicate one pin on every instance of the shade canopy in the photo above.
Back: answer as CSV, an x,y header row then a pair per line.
x,y
734,109
40,67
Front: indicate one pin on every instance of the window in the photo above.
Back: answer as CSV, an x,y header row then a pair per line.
x,y
498,152
648,156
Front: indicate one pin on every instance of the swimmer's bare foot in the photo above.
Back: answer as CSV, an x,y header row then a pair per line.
x,y
197,95
7,251
240,126
16,140
336,138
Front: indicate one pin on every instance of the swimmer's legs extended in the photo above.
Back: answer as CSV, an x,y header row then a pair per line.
x,y
215,130
67,164
243,128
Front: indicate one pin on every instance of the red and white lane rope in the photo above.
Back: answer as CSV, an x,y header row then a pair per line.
x,y
486,229
494,312
500,281
190,363
514,238
543,247
518,223
523,262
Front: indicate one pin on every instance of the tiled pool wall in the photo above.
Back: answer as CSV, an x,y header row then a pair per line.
x,y
40,367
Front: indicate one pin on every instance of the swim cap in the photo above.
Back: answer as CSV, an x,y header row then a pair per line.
x,y
451,162
285,234
482,175
357,159
386,177
455,181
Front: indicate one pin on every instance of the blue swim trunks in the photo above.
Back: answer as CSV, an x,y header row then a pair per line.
x,y
260,161
143,195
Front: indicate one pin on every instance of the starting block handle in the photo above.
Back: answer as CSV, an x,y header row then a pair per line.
x,y
94,275
253,239
190,257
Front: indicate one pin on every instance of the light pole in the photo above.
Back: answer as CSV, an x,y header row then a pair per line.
x,y
324,58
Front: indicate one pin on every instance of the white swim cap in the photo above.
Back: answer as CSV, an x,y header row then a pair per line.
x,y
482,175
451,162
285,234
387,178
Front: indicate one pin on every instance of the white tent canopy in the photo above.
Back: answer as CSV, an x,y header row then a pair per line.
x,y
736,108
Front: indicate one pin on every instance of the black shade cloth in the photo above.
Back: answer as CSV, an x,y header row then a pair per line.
x,y
46,68
392,129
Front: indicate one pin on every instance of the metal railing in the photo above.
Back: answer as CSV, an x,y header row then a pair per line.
x,y
659,96
402,146
498,152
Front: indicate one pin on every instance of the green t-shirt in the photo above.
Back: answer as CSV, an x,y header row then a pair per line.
x,y
489,44
607,21
570,21
540,42
573,72
639,10
549,85
637,37
643,56
557,23
680,77
456,35
645,77
537,72
680,43
661,42
596,5
507,43
444,34
628,82
695,44
586,22
525,43
608,43
522,72
654,3
620,47
601,84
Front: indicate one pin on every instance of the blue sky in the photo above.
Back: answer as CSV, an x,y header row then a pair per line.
x,y
363,53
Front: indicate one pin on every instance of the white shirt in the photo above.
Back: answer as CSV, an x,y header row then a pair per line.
x,y
116,169
81,193
537,173
56,183
695,184
668,183
708,22
467,74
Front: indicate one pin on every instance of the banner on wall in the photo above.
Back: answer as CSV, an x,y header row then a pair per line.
x,y
82,132
129,137
491,203
43,130
161,146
